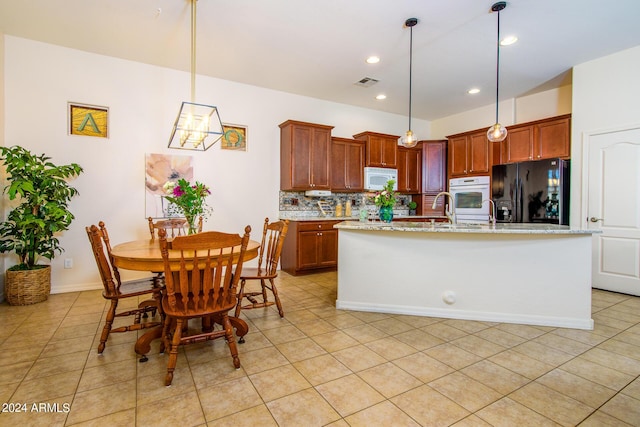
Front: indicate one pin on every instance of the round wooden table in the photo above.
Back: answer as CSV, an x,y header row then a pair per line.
x,y
145,255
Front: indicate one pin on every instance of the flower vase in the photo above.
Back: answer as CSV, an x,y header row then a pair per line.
x,y
191,222
386,213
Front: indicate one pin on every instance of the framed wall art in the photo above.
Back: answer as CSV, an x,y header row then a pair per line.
x,y
160,168
88,120
234,137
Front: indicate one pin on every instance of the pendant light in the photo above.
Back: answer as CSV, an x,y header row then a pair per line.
x,y
409,139
497,132
195,122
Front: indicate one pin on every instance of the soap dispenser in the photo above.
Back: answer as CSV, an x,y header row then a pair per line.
x,y
347,209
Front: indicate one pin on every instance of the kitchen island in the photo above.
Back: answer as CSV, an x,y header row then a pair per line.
x,y
515,273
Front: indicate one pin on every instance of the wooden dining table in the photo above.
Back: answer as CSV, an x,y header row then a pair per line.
x,y
145,255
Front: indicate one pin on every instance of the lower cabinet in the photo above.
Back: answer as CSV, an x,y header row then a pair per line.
x,y
310,246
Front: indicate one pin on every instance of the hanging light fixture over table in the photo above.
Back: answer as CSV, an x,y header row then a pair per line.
x,y
195,122
409,139
497,132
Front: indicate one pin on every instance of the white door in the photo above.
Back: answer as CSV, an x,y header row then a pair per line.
x,y
613,206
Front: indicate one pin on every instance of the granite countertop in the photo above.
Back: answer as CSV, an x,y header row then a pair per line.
x,y
352,218
462,228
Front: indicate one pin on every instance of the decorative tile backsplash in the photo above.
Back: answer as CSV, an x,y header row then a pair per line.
x,y
296,204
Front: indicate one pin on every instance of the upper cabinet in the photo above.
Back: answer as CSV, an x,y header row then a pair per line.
x,y
304,156
542,139
409,170
381,150
347,164
553,138
434,166
469,154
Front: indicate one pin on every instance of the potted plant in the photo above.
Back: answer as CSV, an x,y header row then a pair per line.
x,y
31,226
385,200
412,207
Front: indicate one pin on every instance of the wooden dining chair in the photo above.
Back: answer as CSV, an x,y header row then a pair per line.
x,y
173,226
202,284
116,290
273,236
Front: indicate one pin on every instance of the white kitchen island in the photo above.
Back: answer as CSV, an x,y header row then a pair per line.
x,y
515,273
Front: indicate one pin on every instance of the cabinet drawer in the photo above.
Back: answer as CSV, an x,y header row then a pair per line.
x,y
316,226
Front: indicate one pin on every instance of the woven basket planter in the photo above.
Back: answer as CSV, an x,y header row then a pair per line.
x,y
24,287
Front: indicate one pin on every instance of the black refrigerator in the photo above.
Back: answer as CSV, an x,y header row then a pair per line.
x,y
532,192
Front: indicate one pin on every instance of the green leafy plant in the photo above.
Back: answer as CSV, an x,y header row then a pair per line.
x,y
44,195
412,205
387,196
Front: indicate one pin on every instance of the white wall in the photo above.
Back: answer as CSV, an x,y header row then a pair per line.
x,y
605,97
523,109
143,100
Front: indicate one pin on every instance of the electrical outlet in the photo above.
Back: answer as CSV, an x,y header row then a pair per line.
x,y
68,263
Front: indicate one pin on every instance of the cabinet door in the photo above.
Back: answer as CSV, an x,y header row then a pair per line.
x,y
458,155
409,170
308,249
347,165
478,153
328,248
389,153
381,152
427,205
319,160
553,139
301,149
519,145
434,160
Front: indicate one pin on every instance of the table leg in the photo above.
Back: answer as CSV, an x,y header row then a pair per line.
x,y
240,326
143,344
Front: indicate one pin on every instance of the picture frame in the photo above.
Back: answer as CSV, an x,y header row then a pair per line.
x,y
88,120
234,137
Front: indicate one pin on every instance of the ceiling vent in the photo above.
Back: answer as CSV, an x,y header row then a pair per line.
x,y
366,82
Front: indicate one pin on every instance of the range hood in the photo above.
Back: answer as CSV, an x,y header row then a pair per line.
x,y
317,193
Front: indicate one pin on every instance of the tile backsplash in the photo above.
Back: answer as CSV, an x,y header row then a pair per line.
x,y
294,204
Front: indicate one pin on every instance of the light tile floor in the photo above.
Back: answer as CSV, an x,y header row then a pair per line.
x,y
321,366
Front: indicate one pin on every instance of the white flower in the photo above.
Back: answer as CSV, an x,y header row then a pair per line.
x,y
168,187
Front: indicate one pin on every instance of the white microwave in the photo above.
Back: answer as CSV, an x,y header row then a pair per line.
x,y
376,178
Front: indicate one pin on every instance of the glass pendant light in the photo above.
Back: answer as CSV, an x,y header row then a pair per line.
x,y
497,132
198,126
409,139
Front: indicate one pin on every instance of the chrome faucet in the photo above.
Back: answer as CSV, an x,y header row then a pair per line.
x,y
492,215
450,212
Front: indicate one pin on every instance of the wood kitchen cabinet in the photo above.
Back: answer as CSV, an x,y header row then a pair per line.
x,y
434,166
468,154
542,139
304,156
434,177
553,138
347,165
380,150
410,170
310,246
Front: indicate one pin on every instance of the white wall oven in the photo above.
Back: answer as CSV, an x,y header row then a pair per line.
x,y
471,195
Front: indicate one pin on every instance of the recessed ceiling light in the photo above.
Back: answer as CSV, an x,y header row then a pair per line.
x,y
508,40
373,60
473,91
381,96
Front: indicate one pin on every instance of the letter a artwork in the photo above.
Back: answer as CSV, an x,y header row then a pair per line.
x,y
88,120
